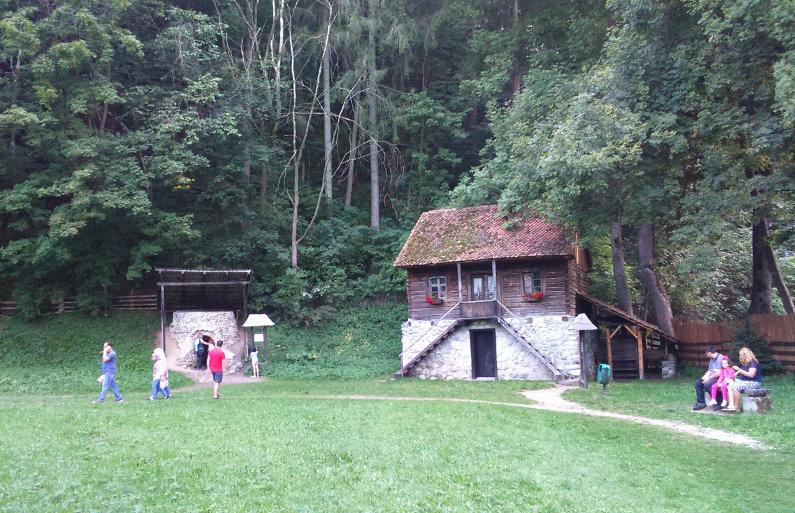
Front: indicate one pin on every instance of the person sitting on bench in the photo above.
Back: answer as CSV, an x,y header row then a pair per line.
x,y
747,377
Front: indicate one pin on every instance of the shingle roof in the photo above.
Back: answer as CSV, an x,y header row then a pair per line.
x,y
474,234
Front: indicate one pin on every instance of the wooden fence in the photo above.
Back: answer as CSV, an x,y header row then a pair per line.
x,y
130,302
777,330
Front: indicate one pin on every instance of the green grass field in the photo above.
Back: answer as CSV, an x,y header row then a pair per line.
x,y
279,447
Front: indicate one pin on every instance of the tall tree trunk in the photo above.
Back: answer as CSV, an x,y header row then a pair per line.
x,y
264,181
375,198
619,268
761,279
354,144
778,281
516,80
327,113
662,307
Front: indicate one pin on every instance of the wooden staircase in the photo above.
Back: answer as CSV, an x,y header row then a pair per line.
x,y
435,342
530,347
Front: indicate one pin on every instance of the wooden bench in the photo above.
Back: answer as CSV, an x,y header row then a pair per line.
x,y
754,401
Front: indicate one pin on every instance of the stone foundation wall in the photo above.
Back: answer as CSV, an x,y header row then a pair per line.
x,y
452,359
222,325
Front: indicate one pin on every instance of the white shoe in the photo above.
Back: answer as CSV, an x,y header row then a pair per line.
x,y
723,404
711,403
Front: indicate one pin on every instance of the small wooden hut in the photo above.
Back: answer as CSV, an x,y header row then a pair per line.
x,y
486,301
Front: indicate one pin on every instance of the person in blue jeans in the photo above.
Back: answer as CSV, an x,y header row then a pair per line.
x,y
109,371
709,378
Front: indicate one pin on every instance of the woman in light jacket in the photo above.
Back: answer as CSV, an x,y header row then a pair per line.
x,y
159,372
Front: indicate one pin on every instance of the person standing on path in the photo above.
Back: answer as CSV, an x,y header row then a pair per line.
x,y
159,375
255,362
709,378
217,360
109,372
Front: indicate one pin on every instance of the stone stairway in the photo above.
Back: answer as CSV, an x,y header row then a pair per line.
x,y
556,373
427,349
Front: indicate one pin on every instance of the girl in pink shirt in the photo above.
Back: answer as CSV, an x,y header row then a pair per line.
x,y
726,375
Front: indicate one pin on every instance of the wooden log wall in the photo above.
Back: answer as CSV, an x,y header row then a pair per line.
x,y
556,274
777,330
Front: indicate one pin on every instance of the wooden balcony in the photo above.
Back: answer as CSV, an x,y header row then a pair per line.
x,y
479,309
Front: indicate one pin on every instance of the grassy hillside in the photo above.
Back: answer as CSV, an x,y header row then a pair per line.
x,y
60,354
356,343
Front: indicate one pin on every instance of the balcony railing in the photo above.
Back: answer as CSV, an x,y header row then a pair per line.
x,y
479,309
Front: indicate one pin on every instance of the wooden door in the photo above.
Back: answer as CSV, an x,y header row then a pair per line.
x,y
482,287
484,353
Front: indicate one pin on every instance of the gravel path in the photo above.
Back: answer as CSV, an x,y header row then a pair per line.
x,y
550,399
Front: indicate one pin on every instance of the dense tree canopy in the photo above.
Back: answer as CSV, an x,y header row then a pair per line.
x,y
302,139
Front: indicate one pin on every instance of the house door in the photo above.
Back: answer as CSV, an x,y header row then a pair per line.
x,y
483,344
482,287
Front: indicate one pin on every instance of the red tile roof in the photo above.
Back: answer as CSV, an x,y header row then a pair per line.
x,y
474,234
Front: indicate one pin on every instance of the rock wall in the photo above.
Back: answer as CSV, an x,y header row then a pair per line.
x,y
222,325
452,359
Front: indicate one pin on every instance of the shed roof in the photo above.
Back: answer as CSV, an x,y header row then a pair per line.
x,y
476,234
204,289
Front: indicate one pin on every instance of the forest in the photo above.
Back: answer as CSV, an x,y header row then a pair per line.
x,y
302,139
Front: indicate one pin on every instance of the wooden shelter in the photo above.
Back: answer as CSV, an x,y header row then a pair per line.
x,y
631,346
257,332
202,290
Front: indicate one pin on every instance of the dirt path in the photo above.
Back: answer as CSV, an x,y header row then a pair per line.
x,y
551,399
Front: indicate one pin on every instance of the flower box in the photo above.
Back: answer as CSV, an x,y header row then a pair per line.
x,y
434,300
533,298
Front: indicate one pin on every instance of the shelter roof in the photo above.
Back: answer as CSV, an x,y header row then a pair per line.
x,y
606,310
256,320
476,234
204,289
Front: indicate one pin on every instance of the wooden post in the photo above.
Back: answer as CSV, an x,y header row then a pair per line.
x,y
638,336
245,301
163,317
460,288
610,349
494,277
265,343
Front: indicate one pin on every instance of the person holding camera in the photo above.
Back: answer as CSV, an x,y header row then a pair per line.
x,y
109,373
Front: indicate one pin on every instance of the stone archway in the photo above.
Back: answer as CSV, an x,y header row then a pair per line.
x,y
222,325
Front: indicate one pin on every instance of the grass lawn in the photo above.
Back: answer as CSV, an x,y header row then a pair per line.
x,y
673,400
279,447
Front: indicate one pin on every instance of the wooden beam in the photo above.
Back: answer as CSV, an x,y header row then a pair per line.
x,y
200,283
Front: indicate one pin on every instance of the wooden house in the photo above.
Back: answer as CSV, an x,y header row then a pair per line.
x,y
486,301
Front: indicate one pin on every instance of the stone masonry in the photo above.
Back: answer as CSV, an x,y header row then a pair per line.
x,y
222,325
452,359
